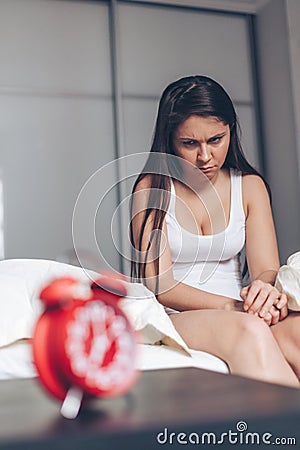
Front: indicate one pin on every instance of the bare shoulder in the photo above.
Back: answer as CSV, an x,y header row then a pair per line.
x,y
144,183
254,192
255,182
140,197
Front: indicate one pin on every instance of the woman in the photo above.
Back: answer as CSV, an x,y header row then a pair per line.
x,y
196,204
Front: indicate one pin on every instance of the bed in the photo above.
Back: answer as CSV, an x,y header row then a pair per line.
x,y
21,280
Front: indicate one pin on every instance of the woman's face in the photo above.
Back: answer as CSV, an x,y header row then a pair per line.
x,y
203,142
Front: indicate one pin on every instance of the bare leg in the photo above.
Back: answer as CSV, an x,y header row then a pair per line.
x,y
287,334
243,341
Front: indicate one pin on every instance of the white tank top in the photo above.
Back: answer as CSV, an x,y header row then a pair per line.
x,y
210,262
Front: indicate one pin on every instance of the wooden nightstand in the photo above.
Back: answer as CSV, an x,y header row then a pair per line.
x,y
190,401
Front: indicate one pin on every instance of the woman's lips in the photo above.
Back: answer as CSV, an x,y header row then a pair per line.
x,y
206,169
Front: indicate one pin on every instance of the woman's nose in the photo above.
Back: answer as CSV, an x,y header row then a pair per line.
x,y
203,153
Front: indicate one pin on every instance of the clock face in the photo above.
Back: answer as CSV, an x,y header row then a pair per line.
x,y
99,348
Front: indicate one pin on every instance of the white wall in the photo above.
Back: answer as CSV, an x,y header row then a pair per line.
x,y
280,136
293,15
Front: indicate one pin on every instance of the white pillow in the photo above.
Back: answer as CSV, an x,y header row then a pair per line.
x,y
21,281
16,312
288,281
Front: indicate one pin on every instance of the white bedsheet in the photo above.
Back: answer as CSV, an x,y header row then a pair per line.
x,y
16,360
153,357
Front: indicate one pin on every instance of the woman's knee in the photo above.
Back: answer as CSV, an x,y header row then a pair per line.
x,y
253,335
253,326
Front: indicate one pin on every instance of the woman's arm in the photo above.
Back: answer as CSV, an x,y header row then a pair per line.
x,y
172,293
261,251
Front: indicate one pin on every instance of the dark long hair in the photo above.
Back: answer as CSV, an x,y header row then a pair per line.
x,y
193,95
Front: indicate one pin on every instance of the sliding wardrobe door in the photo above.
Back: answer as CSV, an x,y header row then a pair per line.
x,y
56,124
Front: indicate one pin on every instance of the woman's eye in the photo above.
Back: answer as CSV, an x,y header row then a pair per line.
x,y
215,140
189,143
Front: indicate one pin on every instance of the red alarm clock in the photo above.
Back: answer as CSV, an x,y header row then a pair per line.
x,y
83,343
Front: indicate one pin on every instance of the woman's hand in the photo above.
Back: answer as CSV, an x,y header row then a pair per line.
x,y
265,301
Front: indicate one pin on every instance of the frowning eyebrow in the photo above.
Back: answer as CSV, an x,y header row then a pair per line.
x,y
215,136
